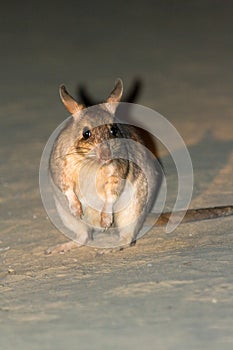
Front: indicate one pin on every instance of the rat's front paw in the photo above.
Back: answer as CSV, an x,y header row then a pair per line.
x,y
106,220
76,209
74,204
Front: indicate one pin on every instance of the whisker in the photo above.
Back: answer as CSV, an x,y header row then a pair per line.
x,y
65,155
89,155
70,154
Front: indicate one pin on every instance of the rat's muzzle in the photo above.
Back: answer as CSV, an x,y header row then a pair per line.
x,y
103,151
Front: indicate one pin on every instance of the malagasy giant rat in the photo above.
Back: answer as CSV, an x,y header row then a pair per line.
x,y
96,153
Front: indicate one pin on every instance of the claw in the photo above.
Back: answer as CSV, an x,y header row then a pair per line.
x,y
76,210
106,220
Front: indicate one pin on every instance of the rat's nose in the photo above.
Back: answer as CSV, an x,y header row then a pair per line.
x,y
103,151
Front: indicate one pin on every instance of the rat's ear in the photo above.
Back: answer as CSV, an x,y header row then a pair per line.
x,y
115,96
116,93
69,102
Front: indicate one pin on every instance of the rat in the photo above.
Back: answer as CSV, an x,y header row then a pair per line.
x,y
95,152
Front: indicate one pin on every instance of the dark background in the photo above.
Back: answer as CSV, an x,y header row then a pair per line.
x,y
182,50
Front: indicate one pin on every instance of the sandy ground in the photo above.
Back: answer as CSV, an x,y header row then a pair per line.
x,y
170,291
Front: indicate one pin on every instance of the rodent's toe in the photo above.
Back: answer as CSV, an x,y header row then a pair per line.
x,y
106,220
76,210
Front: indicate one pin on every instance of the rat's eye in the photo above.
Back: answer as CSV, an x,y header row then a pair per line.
x,y
114,130
86,133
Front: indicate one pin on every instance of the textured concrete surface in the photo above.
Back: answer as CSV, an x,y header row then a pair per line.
x,y
170,291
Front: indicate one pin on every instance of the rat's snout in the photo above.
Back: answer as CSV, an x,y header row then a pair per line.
x,y
103,151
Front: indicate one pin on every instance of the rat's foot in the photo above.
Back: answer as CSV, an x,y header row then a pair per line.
x,y
106,220
62,248
126,241
114,249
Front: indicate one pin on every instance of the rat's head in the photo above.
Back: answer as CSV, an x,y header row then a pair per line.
x,y
94,128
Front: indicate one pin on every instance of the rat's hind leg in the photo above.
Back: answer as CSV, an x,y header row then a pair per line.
x,y
129,222
78,230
